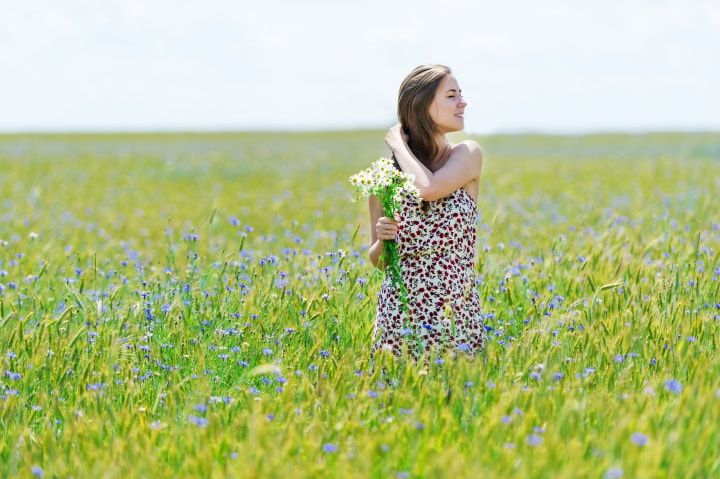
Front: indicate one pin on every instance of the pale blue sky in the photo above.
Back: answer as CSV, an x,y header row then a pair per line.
x,y
553,66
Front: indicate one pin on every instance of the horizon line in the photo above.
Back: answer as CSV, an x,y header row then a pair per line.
x,y
281,130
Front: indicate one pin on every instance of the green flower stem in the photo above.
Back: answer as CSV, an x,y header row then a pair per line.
x,y
391,258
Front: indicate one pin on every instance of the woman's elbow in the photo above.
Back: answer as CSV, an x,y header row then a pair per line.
x,y
427,194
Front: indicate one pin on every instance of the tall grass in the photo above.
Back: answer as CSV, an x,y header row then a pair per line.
x,y
202,304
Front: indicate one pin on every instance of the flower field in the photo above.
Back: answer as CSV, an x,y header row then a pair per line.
x,y
201,305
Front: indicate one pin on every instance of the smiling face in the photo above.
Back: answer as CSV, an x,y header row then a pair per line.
x,y
447,109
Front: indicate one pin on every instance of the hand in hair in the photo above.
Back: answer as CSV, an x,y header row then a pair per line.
x,y
395,136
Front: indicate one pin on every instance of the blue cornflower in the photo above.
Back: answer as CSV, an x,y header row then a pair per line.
x,y
557,376
534,440
37,471
639,438
614,473
199,421
324,353
329,447
267,351
535,376
673,386
373,394
200,407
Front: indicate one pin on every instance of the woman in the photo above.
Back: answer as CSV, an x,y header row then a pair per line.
x,y
435,235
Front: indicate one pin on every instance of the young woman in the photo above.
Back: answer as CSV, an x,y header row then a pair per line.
x,y
435,234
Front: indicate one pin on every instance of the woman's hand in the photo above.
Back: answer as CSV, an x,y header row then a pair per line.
x,y
395,137
386,228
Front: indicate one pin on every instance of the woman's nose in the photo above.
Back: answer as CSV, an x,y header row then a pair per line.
x,y
463,103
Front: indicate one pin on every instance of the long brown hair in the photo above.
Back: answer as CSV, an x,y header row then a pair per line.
x,y
417,92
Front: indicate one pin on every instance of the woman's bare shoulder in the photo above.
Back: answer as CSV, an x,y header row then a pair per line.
x,y
467,146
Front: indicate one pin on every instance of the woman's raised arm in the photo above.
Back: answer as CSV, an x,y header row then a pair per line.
x,y
463,166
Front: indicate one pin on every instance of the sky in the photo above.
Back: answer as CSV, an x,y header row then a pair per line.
x,y
524,66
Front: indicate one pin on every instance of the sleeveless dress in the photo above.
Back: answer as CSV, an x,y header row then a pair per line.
x,y
437,256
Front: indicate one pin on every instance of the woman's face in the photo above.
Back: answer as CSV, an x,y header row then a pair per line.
x,y
447,109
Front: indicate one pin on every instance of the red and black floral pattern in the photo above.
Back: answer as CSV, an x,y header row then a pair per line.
x,y
437,256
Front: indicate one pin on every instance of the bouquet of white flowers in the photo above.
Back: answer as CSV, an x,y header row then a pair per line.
x,y
386,182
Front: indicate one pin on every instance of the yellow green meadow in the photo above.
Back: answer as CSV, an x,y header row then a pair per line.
x,y
201,305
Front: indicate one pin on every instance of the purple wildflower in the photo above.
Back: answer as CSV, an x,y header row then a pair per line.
x,y
198,421
329,447
639,438
534,440
673,386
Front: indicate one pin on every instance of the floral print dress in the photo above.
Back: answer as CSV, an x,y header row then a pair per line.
x,y
436,246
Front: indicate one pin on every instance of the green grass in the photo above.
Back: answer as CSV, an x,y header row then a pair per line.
x,y
144,276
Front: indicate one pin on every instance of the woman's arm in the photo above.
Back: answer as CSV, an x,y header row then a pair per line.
x,y
463,166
